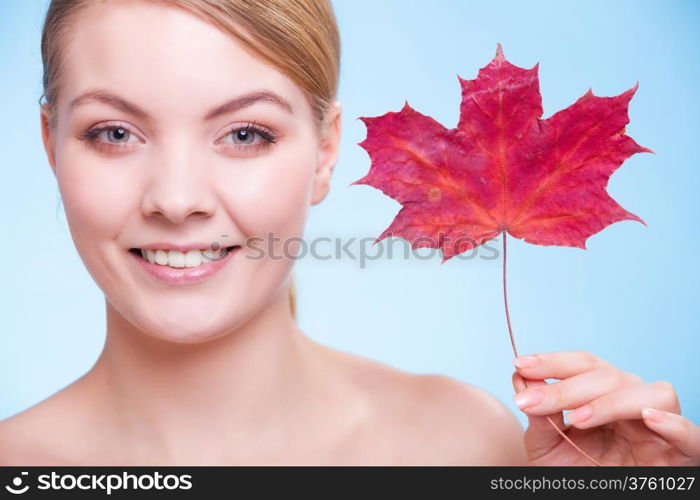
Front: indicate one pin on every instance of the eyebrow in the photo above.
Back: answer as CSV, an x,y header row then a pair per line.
x,y
111,99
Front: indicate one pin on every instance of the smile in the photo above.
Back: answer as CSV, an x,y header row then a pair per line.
x,y
174,267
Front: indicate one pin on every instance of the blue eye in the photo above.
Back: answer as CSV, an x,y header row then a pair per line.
x,y
118,133
245,137
117,137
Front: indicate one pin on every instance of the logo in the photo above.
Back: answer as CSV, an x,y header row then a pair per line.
x,y
17,483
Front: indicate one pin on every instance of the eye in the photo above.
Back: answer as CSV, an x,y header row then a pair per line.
x,y
109,137
118,133
244,135
250,137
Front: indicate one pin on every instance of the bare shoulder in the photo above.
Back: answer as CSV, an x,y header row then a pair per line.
x,y
475,427
431,419
36,435
16,437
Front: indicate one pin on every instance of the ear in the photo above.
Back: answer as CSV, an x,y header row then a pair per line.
x,y
328,153
47,138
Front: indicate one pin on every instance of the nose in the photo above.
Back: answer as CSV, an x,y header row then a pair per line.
x,y
178,190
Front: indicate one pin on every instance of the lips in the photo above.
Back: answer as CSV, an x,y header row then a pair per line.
x,y
179,259
181,275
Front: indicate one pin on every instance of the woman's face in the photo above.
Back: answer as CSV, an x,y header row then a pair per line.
x,y
147,161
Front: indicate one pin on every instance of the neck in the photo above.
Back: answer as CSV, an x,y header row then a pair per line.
x,y
172,397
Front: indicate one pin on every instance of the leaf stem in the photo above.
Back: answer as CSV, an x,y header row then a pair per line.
x,y
515,350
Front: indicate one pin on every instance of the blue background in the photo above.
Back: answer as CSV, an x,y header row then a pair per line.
x,y
631,297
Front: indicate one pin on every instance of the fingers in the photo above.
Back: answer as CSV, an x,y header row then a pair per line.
x,y
557,365
519,384
540,436
599,393
574,391
676,429
625,403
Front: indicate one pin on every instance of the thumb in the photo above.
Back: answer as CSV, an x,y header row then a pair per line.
x,y
540,436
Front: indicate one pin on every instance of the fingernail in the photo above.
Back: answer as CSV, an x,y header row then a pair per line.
x,y
528,398
652,414
580,414
525,361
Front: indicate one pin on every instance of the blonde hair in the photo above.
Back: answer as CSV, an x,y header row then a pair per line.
x,y
298,37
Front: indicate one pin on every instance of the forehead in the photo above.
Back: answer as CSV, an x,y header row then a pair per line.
x,y
165,57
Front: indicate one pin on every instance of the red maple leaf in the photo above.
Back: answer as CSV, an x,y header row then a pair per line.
x,y
503,168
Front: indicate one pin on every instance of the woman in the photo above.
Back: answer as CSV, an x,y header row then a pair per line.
x,y
179,132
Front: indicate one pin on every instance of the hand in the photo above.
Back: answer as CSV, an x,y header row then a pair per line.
x,y
608,422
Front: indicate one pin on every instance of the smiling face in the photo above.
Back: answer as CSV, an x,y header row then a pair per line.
x,y
168,131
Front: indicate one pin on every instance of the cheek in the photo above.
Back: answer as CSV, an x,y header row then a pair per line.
x,y
96,197
274,198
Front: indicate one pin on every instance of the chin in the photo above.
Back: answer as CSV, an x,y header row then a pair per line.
x,y
188,327
185,333
187,336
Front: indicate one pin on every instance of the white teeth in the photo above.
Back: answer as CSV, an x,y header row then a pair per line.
x,y
175,258
162,257
193,258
